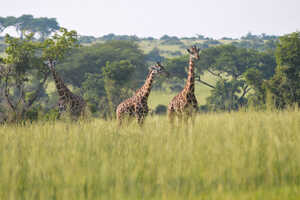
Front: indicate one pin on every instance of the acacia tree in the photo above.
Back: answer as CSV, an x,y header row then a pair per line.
x,y
27,23
24,73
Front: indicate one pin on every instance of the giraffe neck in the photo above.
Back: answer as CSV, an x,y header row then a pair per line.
x,y
190,82
62,89
145,90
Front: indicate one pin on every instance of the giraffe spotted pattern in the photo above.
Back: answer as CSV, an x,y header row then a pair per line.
x,y
185,103
137,106
68,101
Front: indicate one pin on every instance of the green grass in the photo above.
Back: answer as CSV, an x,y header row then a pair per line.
x,y
244,155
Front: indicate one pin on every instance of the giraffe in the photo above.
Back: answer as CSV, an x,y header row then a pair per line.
x,y
137,104
67,100
185,103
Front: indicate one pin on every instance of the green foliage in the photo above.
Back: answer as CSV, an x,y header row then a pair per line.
x,y
50,115
285,85
91,59
288,50
177,67
160,109
27,23
21,54
25,73
117,82
224,97
237,71
112,36
93,88
170,40
56,47
106,90
154,56
86,39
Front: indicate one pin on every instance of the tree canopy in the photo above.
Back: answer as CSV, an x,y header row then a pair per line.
x,y
27,23
24,73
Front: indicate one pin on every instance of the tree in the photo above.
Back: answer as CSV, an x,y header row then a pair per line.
x,y
154,55
27,23
285,84
45,26
93,85
91,59
234,67
6,22
224,96
177,67
117,82
24,74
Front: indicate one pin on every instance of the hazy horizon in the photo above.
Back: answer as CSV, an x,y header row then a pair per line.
x,y
155,18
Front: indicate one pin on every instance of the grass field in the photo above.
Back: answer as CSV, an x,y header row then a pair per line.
x,y
243,155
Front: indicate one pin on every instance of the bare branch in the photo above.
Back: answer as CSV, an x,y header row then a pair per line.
x,y
215,74
37,92
205,83
21,97
245,91
6,92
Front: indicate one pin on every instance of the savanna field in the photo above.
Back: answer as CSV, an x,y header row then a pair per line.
x,y
239,155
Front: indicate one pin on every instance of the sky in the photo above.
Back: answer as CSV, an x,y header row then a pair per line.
x,y
155,18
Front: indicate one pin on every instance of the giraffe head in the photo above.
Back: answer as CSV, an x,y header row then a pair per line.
x,y
194,52
61,106
158,69
51,63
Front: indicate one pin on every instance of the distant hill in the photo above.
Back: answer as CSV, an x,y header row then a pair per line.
x,y
171,46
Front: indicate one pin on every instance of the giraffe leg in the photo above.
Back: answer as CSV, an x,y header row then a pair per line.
x,y
193,117
119,119
185,118
180,118
195,110
171,117
140,119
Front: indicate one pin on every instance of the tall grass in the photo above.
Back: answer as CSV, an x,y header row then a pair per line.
x,y
242,155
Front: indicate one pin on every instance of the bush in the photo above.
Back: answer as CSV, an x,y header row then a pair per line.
x,y
161,109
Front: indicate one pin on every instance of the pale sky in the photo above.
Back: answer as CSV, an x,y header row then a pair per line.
x,y
212,18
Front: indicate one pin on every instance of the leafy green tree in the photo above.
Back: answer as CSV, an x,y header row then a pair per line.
x,y
224,96
24,74
105,91
91,59
27,23
44,26
117,82
154,55
7,22
255,78
2,24
235,67
94,93
285,84
22,69
177,66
